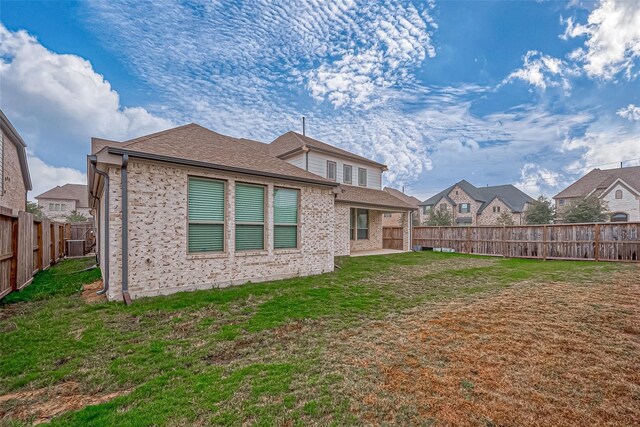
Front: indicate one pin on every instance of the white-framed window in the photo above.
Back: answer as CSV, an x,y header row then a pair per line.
x,y
63,207
331,170
250,201
387,215
362,177
206,215
443,206
618,194
359,224
285,218
464,208
52,206
347,172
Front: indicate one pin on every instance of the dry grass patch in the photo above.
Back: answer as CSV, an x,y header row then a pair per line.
x,y
532,355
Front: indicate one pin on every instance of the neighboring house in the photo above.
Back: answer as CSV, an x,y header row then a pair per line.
x,y
15,180
61,201
619,188
394,219
189,208
470,205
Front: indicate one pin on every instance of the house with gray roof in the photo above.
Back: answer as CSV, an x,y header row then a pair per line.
x,y
189,208
61,200
619,188
471,205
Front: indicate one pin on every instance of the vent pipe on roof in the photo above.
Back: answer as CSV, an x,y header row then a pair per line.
x,y
304,133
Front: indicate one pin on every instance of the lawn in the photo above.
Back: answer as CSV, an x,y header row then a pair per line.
x,y
409,339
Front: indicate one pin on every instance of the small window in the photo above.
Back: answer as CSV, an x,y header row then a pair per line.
x,y
561,202
498,208
619,217
331,170
362,177
63,207
285,218
249,217
206,209
456,192
425,209
52,207
618,194
57,206
346,174
443,206
387,215
464,207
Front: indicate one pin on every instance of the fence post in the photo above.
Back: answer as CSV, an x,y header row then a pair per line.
x,y
544,242
597,248
504,252
469,240
13,275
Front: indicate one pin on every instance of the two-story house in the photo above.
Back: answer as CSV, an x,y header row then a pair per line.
x,y
60,201
189,208
471,205
15,180
619,188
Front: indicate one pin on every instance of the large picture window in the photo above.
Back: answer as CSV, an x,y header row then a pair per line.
x,y
285,218
206,201
359,224
249,217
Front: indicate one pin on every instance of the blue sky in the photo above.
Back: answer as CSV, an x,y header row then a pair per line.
x,y
529,93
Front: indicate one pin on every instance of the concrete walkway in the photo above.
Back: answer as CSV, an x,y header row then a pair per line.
x,y
376,252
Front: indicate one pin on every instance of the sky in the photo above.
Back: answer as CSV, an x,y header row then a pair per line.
x,y
529,93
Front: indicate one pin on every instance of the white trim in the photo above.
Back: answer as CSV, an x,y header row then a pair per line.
x,y
614,184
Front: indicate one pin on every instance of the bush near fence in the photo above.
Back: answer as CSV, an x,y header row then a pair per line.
x,y
27,245
612,241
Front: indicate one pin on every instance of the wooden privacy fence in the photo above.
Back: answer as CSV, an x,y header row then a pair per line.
x,y
27,245
615,241
392,238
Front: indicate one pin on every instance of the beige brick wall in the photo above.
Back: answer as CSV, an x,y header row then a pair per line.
x,y
341,227
14,194
393,220
375,234
463,197
489,217
158,258
61,215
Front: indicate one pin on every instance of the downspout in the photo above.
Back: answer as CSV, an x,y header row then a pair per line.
x,y
125,230
105,286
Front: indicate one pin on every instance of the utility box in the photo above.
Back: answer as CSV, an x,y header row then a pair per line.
x,y
75,248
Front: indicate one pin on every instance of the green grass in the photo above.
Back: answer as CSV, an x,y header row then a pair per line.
x,y
249,354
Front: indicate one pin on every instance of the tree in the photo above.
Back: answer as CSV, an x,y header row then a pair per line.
x,y
439,218
540,212
33,208
505,218
74,216
588,209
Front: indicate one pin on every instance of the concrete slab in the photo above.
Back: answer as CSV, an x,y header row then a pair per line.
x,y
376,252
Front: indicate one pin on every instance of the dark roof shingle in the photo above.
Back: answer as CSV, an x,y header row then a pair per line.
x,y
371,197
600,179
514,198
67,192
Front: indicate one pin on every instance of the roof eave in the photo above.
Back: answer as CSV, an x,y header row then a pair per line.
x,y
13,134
187,162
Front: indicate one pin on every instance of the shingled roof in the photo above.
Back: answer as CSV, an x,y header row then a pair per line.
x,y
508,194
405,197
371,197
292,142
600,180
197,144
76,192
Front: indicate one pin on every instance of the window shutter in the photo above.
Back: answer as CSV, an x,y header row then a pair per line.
x,y
249,217
285,218
206,215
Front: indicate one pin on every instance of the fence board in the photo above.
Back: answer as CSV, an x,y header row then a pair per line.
x,y
6,250
25,249
392,238
614,241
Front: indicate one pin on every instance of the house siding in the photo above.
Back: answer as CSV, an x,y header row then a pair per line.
x,y
14,192
318,165
158,259
629,204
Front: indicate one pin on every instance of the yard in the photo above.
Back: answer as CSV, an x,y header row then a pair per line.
x,y
409,339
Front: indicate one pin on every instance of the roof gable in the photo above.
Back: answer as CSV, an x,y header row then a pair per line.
x,y
511,196
601,179
404,197
76,192
13,135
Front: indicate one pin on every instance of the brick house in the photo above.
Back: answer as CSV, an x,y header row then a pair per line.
x,y
619,188
15,180
394,219
189,208
470,205
60,201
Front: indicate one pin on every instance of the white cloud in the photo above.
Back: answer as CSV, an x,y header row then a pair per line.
x,y
542,71
57,101
45,177
613,39
536,180
630,112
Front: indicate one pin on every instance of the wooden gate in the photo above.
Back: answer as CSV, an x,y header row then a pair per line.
x,y
392,238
